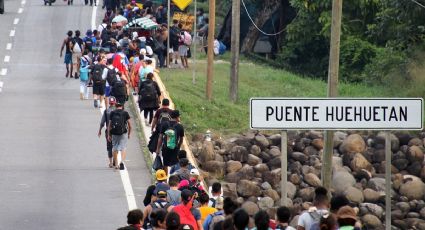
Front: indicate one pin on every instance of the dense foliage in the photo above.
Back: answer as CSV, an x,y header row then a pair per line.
x,y
380,39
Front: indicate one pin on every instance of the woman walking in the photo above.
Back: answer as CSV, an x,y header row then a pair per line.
x,y
149,94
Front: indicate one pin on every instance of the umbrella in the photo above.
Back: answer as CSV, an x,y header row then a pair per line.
x,y
119,18
144,23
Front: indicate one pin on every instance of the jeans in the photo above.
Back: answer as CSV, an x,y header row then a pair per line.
x,y
83,89
161,58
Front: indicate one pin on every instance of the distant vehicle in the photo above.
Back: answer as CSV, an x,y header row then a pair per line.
x,y
1,6
47,2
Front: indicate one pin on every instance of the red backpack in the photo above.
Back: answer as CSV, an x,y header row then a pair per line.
x,y
186,216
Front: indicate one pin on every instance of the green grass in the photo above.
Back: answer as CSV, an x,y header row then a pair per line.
x,y
223,117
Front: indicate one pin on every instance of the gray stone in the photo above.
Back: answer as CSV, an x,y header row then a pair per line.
x,y
233,166
317,143
274,163
359,162
266,185
275,139
247,188
413,190
261,168
422,213
207,152
374,209
337,163
342,180
265,203
395,143
299,156
377,184
250,207
215,168
312,180
274,152
255,150
261,141
403,206
306,194
247,172
272,194
415,168
397,214
295,179
239,153
415,142
370,195
233,177
413,215
229,190
338,138
400,164
265,157
354,143
273,177
311,151
415,154
371,221
253,160
399,224
291,189
354,195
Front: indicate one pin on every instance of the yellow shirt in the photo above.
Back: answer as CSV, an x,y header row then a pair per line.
x,y
205,211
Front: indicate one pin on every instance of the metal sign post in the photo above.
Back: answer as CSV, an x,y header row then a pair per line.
x,y
168,34
194,45
387,180
284,168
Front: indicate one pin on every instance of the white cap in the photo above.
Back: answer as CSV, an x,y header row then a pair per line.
x,y
194,172
149,50
135,35
143,51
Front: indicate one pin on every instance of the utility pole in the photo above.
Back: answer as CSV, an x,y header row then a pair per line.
x,y
210,64
332,89
194,43
234,62
168,32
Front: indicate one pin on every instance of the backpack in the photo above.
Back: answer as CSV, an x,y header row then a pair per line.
x,y
222,48
157,205
118,126
148,91
170,137
119,89
76,48
88,42
187,38
216,217
111,77
97,73
164,117
174,32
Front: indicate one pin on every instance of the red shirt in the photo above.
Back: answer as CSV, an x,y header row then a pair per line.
x,y
186,216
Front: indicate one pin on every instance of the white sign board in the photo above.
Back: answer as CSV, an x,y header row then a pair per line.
x,y
337,113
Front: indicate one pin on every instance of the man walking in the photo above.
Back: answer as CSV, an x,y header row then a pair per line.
x,y
105,121
77,50
98,82
119,130
67,43
170,139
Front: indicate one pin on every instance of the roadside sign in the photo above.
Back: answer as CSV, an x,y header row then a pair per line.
x,y
337,113
182,4
186,20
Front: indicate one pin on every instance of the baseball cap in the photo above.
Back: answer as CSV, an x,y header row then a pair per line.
x,y
161,175
161,189
347,212
194,172
112,100
89,33
186,195
219,203
183,183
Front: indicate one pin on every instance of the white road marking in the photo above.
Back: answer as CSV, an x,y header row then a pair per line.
x,y
6,58
23,2
1,86
16,21
8,46
20,10
3,72
12,33
93,17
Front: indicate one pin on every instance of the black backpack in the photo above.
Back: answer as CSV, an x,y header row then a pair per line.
x,y
119,89
157,205
88,43
118,126
148,91
111,78
97,73
164,117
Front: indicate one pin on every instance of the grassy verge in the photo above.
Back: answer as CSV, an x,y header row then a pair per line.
x,y
223,117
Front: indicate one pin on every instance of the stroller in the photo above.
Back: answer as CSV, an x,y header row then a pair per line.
x,y
49,2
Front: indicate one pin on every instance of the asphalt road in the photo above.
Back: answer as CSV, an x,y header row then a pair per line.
x,y
53,167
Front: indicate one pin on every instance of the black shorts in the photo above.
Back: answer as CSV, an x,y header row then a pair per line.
x,y
98,89
175,46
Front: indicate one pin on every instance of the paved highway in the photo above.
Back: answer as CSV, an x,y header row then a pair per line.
x,y
53,167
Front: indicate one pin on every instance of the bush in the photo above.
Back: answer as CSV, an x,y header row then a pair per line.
x,y
355,55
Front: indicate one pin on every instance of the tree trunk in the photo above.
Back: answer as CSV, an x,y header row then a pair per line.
x,y
268,8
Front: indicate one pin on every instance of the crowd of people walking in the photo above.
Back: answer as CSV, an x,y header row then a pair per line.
x,y
116,63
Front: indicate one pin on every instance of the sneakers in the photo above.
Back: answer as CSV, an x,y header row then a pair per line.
x,y
122,166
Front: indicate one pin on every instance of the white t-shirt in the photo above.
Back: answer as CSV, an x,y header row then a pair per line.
x,y
308,218
101,27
